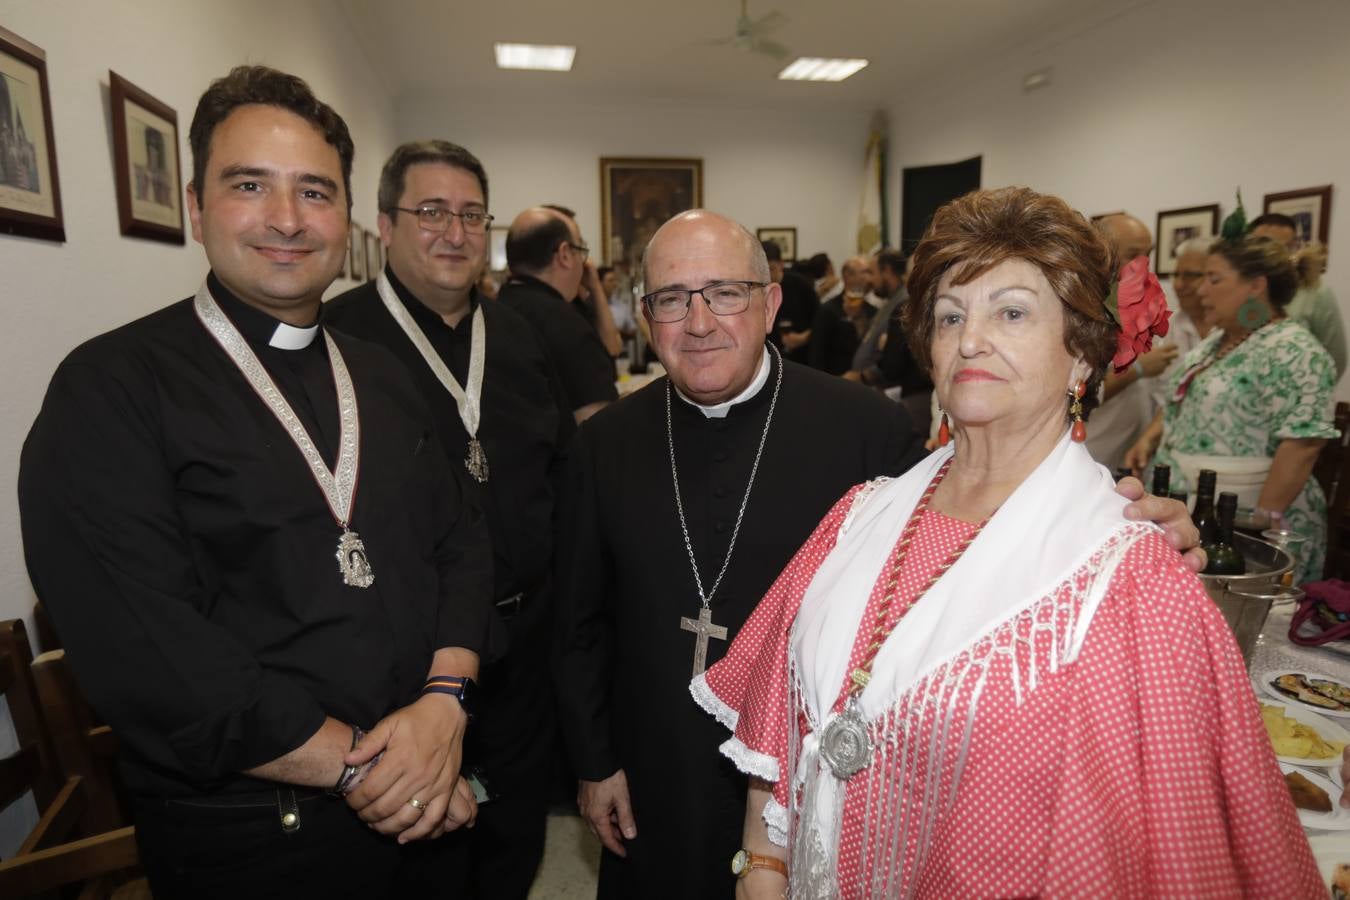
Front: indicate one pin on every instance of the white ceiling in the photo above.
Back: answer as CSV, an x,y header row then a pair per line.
x,y
641,49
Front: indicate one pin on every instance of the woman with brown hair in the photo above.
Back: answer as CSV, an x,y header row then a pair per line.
x,y
1254,399
979,679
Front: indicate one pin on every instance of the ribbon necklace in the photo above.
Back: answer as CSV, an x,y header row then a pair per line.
x,y
469,402
339,485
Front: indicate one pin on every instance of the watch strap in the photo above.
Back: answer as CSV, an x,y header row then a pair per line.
x,y
745,862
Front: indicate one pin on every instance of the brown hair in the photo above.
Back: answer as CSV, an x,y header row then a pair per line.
x,y
249,85
394,175
973,234
1254,256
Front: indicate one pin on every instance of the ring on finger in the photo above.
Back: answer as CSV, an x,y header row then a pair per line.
x,y
417,804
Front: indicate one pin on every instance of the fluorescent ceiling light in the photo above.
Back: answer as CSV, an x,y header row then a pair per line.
x,y
810,68
535,56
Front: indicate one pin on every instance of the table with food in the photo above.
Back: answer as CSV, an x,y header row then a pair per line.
x,y
1304,694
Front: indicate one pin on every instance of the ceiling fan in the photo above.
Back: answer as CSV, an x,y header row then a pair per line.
x,y
752,34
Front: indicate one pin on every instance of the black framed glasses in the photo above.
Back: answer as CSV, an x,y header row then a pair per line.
x,y
724,298
580,248
436,218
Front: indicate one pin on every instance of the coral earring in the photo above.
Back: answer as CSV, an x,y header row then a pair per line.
x,y
1079,431
944,433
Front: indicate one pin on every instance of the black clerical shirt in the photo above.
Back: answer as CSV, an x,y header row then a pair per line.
x,y
586,370
188,559
525,426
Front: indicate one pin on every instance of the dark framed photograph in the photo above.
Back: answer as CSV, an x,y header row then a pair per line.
x,y
372,255
637,196
148,171
356,253
30,191
1176,227
1310,208
785,238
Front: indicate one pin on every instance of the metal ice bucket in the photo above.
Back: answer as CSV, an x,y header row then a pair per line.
x,y
1245,600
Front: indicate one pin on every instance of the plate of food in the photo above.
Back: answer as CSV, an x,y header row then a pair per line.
x,y
1319,693
1315,796
1301,737
1331,852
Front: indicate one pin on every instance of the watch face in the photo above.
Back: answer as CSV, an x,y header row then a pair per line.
x,y
739,863
468,697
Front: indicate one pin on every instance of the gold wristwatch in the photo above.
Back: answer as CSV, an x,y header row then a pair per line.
x,y
744,862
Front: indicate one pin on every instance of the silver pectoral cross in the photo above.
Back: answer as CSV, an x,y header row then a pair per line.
x,y
704,628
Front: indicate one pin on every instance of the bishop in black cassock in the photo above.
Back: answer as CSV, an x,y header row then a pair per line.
x,y
626,583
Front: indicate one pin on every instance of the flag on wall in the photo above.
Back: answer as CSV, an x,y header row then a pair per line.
x,y
872,224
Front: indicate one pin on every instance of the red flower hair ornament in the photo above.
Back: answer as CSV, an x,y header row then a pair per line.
x,y
1139,307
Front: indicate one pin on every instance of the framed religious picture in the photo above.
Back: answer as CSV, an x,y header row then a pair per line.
x,y
372,256
785,238
637,196
147,171
356,253
30,191
1176,227
1310,208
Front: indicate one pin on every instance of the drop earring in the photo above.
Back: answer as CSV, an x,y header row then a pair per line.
x,y
944,431
1079,432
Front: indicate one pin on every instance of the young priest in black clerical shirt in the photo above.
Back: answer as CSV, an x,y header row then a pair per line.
x,y
504,423
267,578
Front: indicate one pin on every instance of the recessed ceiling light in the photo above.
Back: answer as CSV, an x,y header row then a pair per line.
x,y
809,68
535,56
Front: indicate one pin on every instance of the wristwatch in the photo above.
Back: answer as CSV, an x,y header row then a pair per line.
x,y
461,687
744,862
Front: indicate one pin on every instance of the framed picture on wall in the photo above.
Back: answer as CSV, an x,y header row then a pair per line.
x,y
147,171
30,191
356,253
785,238
636,197
1310,208
1176,227
372,256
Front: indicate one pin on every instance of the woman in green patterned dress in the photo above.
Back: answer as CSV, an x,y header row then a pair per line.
x,y
1258,386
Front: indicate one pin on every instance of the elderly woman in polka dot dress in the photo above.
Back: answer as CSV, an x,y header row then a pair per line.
x,y
979,679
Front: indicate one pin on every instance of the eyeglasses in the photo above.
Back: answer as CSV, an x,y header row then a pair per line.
x,y
724,298
435,218
580,248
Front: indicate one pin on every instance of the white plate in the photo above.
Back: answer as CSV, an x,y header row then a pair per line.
x,y
1329,730
1336,820
1265,679
1329,851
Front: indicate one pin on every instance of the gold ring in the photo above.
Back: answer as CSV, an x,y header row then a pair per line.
x,y
417,804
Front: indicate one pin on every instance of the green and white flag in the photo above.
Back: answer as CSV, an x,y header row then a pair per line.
x,y
872,227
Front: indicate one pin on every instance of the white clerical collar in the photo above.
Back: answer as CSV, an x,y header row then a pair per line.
x,y
288,337
720,410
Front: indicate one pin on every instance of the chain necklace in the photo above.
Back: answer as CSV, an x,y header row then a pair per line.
x,y
706,599
846,743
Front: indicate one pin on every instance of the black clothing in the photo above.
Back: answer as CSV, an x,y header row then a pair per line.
x,y
625,581
586,370
834,338
899,367
187,557
192,851
797,313
525,427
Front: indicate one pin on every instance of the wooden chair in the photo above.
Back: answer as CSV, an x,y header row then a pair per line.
x,y
1332,471
80,836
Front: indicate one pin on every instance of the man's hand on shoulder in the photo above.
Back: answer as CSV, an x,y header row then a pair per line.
x,y
1170,514
607,809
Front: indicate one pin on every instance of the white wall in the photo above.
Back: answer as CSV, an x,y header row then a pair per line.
x,y
57,295
1170,105
762,167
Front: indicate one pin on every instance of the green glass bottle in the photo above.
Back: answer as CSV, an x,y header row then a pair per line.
x,y
1205,519
1224,556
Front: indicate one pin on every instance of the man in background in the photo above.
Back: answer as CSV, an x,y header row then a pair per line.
x,y
547,260
792,326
